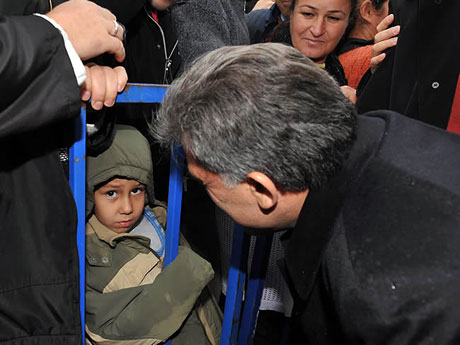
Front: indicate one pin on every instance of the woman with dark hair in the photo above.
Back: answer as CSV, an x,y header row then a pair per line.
x,y
355,52
316,28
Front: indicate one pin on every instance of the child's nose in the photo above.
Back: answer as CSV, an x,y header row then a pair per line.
x,y
126,206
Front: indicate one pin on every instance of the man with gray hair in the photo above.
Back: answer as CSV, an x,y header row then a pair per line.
x,y
373,201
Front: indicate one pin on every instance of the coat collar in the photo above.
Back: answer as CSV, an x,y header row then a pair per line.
x,y
308,241
109,236
306,244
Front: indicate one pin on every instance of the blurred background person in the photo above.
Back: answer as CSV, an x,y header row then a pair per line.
x,y
261,22
416,51
355,51
316,28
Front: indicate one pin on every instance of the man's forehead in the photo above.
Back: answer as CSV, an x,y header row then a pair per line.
x,y
199,172
195,169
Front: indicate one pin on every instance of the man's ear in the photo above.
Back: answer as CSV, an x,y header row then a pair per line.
x,y
263,189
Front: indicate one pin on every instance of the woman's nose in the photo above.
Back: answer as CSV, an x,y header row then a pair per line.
x,y
317,27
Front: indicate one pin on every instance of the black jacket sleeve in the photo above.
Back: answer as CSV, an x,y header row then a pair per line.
x,y
37,82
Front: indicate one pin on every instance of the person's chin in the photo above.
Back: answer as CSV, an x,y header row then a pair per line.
x,y
161,5
119,230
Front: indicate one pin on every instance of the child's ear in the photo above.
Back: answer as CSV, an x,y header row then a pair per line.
x,y
264,190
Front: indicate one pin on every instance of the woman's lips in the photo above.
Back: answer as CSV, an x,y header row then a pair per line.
x,y
314,41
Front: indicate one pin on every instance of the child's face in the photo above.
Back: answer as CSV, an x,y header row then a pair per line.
x,y
119,203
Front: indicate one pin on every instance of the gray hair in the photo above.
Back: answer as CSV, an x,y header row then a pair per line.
x,y
262,107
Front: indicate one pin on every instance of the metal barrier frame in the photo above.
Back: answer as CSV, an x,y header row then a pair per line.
x,y
232,332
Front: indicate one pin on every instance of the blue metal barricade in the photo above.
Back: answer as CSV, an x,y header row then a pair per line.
x,y
77,180
240,318
233,331
134,93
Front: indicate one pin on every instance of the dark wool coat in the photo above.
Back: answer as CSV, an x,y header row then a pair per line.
x,y
205,25
40,97
419,76
374,257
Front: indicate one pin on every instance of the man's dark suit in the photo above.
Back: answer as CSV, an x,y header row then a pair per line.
x,y
374,257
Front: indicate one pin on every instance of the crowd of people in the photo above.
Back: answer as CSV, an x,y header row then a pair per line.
x,y
332,124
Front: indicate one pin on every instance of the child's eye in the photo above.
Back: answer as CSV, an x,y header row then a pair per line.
x,y
138,190
111,194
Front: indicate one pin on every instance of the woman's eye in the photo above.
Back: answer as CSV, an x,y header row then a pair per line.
x,y
334,19
307,14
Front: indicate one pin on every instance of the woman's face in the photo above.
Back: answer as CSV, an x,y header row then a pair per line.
x,y
318,25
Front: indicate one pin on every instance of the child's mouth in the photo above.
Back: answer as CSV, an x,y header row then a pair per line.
x,y
125,224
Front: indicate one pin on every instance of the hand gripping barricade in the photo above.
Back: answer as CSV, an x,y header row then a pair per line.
x,y
239,320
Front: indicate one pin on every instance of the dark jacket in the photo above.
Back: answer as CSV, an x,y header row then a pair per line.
x,y
147,304
151,45
249,5
262,22
152,56
151,48
374,256
39,290
418,77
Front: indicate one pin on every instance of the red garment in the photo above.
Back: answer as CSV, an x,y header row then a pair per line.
x,y
355,63
155,15
454,119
